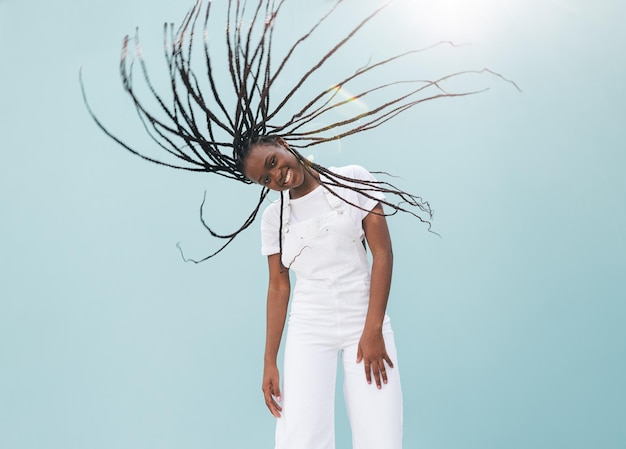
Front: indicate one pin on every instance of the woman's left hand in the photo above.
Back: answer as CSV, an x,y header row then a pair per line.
x,y
372,352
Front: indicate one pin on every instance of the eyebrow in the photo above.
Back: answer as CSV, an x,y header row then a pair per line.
x,y
265,165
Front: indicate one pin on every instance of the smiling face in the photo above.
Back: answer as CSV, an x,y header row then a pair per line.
x,y
274,166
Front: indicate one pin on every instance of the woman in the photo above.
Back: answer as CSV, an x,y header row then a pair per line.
x,y
324,219
337,306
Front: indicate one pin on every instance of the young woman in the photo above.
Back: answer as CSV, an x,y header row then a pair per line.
x,y
325,218
338,304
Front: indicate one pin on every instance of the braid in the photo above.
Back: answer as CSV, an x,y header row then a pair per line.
x,y
197,130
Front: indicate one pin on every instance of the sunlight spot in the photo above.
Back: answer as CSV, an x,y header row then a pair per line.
x,y
458,19
350,105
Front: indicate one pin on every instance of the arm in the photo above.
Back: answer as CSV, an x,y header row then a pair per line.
x,y
372,345
277,301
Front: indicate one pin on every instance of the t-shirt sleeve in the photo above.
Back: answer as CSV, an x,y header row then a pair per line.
x,y
270,222
367,204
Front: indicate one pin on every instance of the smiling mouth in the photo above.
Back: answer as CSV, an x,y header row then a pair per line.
x,y
287,177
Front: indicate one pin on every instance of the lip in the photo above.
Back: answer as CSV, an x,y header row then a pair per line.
x,y
288,177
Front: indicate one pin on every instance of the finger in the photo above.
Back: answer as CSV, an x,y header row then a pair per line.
x,y
270,402
359,355
376,370
272,406
368,372
276,393
388,360
383,372
277,409
276,397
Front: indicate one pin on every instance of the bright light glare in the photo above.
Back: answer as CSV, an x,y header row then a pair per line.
x,y
457,19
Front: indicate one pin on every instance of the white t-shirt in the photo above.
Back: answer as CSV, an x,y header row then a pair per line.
x,y
315,203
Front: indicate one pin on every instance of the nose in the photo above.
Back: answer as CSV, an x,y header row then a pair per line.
x,y
275,176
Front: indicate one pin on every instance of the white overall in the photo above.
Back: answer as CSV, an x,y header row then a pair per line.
x,y
328,310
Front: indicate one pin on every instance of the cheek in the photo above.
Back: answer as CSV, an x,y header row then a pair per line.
x,y
301,172
275,187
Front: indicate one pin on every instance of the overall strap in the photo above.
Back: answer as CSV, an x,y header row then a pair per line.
x,y
286,209
333,200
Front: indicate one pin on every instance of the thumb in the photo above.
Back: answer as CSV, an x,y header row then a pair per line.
x,y
277,392
359,355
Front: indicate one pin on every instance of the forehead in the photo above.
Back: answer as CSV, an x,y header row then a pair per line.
x,y
254,163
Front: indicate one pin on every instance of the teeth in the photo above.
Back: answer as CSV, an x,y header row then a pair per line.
x,y
287,177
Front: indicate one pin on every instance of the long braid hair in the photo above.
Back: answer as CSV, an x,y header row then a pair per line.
x,y
199,131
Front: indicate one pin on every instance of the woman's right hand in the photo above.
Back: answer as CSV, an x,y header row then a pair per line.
x,y
271,389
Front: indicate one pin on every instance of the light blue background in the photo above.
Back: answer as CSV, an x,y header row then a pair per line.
x,y
510,327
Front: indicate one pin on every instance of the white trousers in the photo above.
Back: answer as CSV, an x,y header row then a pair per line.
x,y
330,302
310,368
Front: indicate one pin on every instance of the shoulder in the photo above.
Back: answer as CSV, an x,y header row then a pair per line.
x,y
353,174
271,215
361,189
352,171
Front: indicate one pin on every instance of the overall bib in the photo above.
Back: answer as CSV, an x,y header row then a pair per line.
x,y
327,316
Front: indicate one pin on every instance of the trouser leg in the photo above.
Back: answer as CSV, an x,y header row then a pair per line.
x,y
309,377
375,415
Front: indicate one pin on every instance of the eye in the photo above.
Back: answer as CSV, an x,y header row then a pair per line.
x,y
266,180
273,161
